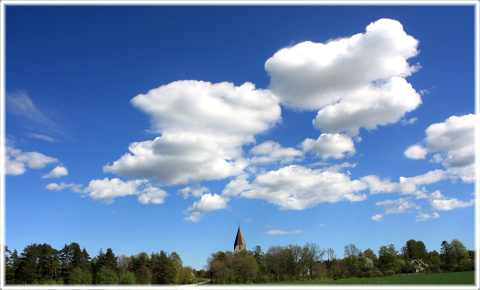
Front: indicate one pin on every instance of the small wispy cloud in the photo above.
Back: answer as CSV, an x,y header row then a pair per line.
x,y
248,220
425,216
409,122
21,105
279,232
43,137
377,217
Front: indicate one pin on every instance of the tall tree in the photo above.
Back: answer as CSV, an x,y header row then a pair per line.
x,y
110,260
141,266
274,260
330,258
447,255
260,258
310,255
460,252
179,263
352,259
293,254
387,258
414,250
123,264
164,269
219,266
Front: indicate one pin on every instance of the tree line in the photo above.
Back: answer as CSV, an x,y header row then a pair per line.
x,y
297,263
42,264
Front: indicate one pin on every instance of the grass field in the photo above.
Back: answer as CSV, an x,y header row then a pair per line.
x,y
458,278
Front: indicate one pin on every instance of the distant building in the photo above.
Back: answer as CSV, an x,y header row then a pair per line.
x,y
418,267
239,242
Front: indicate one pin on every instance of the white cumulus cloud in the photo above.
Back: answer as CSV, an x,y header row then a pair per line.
x,y
296,187
58,171
416,152
355,82
313,75
203,127
330,146
270,151
152,194
406,185
17,162
368,107
107,190
236,186
57,187
449,204
377,217
194,191
453,141
206,204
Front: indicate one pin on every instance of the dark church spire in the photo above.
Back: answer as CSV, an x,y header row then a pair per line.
x,y
239,242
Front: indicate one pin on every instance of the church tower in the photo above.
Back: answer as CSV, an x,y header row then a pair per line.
x,y
239,242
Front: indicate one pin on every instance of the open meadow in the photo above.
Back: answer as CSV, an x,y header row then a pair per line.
x,y
460,278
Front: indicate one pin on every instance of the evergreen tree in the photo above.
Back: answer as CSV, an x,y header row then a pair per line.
x,y
447,256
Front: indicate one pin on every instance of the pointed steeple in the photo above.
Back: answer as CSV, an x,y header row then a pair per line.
x,y
239,242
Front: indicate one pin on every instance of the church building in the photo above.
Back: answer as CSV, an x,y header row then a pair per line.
x,y
239,242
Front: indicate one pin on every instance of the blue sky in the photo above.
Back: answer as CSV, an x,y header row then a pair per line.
x,y
163,127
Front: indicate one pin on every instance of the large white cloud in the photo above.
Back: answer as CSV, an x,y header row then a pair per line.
x,y
203,127
354,82
296,187
313,75
180,159
222,108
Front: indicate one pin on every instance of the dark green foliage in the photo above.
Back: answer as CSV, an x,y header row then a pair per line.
x,y
80,276
106,275
164,269
128,278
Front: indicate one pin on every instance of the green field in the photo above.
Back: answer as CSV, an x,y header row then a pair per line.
x,y
459,278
